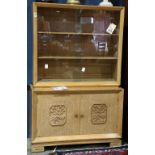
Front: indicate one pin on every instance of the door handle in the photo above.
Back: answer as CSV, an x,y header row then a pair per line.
x,y
81,116
76,115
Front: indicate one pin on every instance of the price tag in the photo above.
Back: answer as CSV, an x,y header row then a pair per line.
x,y
111,28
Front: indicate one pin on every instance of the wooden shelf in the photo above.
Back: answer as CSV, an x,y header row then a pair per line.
x,y
76,80
76,33
83,7
77,57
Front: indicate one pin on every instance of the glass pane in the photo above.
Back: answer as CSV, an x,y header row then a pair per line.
x,y
79,21
77,45
77,70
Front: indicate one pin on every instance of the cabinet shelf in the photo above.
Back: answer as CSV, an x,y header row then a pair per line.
x,y
77,57
76,33
76,80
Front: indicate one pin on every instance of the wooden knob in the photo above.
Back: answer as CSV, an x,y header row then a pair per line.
x,y
81,116
76,115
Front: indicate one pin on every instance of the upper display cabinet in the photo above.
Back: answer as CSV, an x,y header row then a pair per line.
x,y
77,45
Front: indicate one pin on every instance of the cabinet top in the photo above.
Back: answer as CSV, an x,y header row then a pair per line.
x,y
69,6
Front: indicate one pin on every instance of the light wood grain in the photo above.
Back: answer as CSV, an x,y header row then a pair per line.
x,y
116,68
35,40
78,89
116,143
120,42
36,148
86,7
119,111
70,117
76,83
34,115
75,33
75,138
77,103
111,124
111,141
73,57
45,102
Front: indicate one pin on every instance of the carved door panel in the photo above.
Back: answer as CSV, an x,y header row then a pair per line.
x,y
57,115
99,113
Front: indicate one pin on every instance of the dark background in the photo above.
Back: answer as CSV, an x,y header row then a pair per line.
x,y
124,61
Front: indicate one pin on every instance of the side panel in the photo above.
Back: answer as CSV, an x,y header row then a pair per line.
x,y
35,49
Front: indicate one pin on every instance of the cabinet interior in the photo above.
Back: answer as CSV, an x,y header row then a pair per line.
x,y
74,45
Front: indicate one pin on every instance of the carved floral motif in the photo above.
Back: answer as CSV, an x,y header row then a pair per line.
x,y
57,115
98,114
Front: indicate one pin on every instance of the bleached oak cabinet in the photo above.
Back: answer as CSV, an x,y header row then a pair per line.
x,y
76,98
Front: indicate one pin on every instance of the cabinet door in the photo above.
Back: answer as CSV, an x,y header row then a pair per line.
x,y
57,115
77,44
101,113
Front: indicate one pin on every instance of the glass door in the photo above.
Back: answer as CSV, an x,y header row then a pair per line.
x,y
77,44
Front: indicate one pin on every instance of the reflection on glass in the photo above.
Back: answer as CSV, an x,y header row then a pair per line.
x,y
77,45
77,69
80,21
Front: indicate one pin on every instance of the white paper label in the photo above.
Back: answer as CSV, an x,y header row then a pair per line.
x,y
101,45
111,28
46,66
60,88
83,69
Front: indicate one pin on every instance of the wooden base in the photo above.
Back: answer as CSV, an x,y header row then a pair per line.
x,y
118,142
41,147
36,148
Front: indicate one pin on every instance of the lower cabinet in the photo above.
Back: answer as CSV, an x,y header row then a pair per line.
x,y
76,116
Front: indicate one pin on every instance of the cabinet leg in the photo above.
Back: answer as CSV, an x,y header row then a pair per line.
x,y
37,148
116,143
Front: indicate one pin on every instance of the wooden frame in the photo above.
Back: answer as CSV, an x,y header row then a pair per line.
x,y
90,83
38,143
35,49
